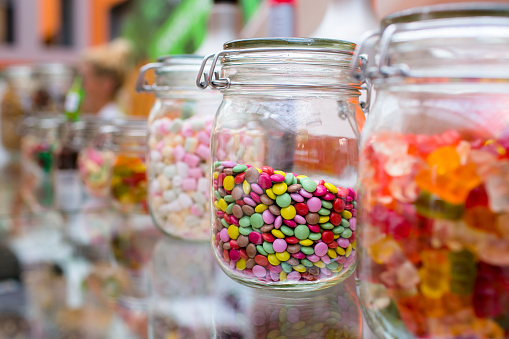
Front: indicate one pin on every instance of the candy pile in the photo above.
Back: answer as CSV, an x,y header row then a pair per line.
x,y
179,184
274,226
129,184
435,233
95,169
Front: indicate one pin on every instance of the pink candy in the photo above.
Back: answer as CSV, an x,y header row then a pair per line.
x,y
224,235
254,237
259,271
264,181
277,178
314,204
178,153
279,245
189,184
268,217
203,152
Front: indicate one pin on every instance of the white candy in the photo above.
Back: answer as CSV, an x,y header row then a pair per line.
x,y
164,182
169,195
174,206
155,156
197,125
184,200
163,210
191,144
205,168
192,221
170,171
199,198
176,181
182,169
155,187
203,185
158,167
167,152
176,126
156,202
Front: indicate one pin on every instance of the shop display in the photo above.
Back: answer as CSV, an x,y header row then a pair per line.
x,y
52,81
179,138
283,202
15,104
94,167
434,175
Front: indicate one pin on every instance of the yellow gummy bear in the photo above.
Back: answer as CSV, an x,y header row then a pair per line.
x,y
434,273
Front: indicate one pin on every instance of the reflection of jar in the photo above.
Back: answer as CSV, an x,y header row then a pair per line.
x,y
16,103
179,137
434,171
38,143
53,80
284,146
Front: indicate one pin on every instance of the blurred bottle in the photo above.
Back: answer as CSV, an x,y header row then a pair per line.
x,y
73,100
282,21
346,20
224,25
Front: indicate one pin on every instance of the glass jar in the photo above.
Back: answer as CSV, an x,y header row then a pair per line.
x,y
434,171
15,104
178,145
38,144
284,147
52,81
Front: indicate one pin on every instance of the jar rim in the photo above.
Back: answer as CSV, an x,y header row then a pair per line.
x,y
447,11
303,43
179,59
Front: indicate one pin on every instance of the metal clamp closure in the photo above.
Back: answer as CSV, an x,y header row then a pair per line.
x,y
142,84
214,80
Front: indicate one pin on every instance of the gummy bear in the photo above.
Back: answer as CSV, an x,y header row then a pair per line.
x,y
482,218
463,271
486,291
431,206
435,273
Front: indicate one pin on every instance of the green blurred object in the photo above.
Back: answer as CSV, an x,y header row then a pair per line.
x,y
73,100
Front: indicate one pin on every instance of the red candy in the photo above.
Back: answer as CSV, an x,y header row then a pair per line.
x,y
227,218
290,223
338,205
233,244
243,254
327,237
268,237
261,260
314,228
333,245
264,181
267,169
301,208
335,218
255,238
220,179
321,182
255,197
234,255
239,178
291,240
342,192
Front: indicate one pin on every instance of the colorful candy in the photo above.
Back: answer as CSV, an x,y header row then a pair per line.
x,y
278,228
179,186
129,184
435,210
95,170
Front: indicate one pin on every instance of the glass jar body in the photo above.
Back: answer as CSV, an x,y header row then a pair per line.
x,y
434,175
178,162
283,210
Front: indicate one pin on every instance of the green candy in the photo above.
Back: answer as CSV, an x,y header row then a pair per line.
x,y
217,164
245,221
245,230
217,195
354,204
260,250
283,200
286,267
294,181
308,185
347,233
225,224
306,263
289,179
307,250
267,246
229,208
286,230
345,223
327,226
301,232
315,236
326,204
256,220
229,198
338,230
239,168
332,266
324,211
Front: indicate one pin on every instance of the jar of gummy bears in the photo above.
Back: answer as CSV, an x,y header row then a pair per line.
x,y
434,175
284,161
114,165
178,147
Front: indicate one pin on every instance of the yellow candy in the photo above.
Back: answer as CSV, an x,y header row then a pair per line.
x,y
338,269
273,259
280,172
277,234
270,194
331,187
246,187
346,214
331,253
223,205
283,256
306,242
282,276
301,176
340,250
216,205
353,244
288,212
319,264
241,264
216,174
299,325
336,236
260,208
279,188
229,182
300,268
323,219
259,170
348,250
233,232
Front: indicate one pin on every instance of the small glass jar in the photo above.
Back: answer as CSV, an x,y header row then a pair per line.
x,y
178,145
38,144
15,104
434,174
284,151
52,81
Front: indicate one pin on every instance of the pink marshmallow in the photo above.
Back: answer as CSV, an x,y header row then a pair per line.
x,y
191,159
196,211
189,184
204,138
195,172
179,152
203,151
160,146
187,131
